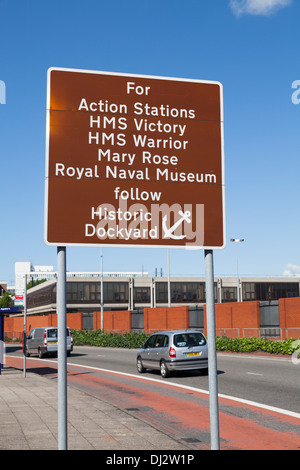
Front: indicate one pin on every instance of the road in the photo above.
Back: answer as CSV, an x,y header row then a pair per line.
x,y
258,396
271,381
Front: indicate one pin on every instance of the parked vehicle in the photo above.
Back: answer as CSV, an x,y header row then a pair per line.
x,y
43,341
177,350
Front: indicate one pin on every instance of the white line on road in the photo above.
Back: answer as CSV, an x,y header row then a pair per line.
x,y
185,387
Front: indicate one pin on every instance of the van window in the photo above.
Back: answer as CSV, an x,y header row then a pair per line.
x,y
161,341
52,333
189,339
31,335
151,342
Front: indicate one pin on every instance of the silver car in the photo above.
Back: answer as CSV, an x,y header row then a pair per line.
x,y
176,350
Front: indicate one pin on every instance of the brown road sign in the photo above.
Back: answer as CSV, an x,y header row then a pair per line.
x,y
134,160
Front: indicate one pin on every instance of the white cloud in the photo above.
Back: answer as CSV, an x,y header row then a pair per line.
x,y
257,7
291,270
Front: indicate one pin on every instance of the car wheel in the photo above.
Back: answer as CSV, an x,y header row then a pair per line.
x,y
27,353
41,355
164,371
139,364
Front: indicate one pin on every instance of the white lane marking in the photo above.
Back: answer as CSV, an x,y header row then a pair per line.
x,y
254,373
254,357
185,387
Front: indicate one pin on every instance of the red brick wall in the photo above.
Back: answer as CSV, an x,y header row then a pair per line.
x,y
289,317
236,316
118,321
166,318
16,324
239,319
115,320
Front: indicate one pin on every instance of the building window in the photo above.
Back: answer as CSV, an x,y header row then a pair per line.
x,y
248,289
141,294
229,294
89,292
115,292
181,292
269,290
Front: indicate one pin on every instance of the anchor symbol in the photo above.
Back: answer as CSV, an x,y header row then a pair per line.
x,y
185,216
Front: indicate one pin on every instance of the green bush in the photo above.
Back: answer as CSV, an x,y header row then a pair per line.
x,y
256,344
114,340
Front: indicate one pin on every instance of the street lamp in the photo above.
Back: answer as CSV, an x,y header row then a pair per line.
x,y
237,240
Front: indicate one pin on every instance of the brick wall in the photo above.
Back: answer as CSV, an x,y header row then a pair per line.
x,y
13,326
236,316
289,317
118,321
239,319
166,318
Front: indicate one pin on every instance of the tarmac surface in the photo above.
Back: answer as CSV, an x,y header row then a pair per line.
x,y
28,419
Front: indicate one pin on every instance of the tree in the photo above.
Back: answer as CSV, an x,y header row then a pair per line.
x,y
35,283
5,300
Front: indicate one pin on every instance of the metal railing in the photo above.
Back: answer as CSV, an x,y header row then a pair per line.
x,y
266,332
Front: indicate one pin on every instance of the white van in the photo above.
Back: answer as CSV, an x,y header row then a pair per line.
x,y
43,341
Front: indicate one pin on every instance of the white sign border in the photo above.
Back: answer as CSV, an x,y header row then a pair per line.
x,y
130,75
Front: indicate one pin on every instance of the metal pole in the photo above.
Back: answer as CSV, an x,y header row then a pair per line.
x,y
169,283
25,323
212,353
237,273
1,342
101,294
62,349
237,240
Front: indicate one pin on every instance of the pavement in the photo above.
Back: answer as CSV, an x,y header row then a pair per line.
x,y
28,419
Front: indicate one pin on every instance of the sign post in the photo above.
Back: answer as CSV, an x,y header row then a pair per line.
x,y
212,354
62,349
134,161
25,323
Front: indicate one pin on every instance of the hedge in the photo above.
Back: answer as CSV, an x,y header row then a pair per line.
x,y
114,340
253,344
136,340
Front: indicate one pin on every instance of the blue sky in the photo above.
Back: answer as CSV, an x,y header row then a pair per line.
x,y
251,46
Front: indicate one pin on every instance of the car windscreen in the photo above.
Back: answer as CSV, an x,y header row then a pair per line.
x,y
52,333
183,340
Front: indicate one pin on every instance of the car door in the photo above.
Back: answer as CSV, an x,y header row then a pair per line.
x,y
30,341
147,353
158,350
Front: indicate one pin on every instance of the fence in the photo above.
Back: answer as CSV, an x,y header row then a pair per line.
x,y
267,333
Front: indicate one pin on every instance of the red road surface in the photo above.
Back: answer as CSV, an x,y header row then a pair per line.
x,y
180,413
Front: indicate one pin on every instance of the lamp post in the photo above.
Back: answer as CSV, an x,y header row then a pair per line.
x,y
237,240
169,282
